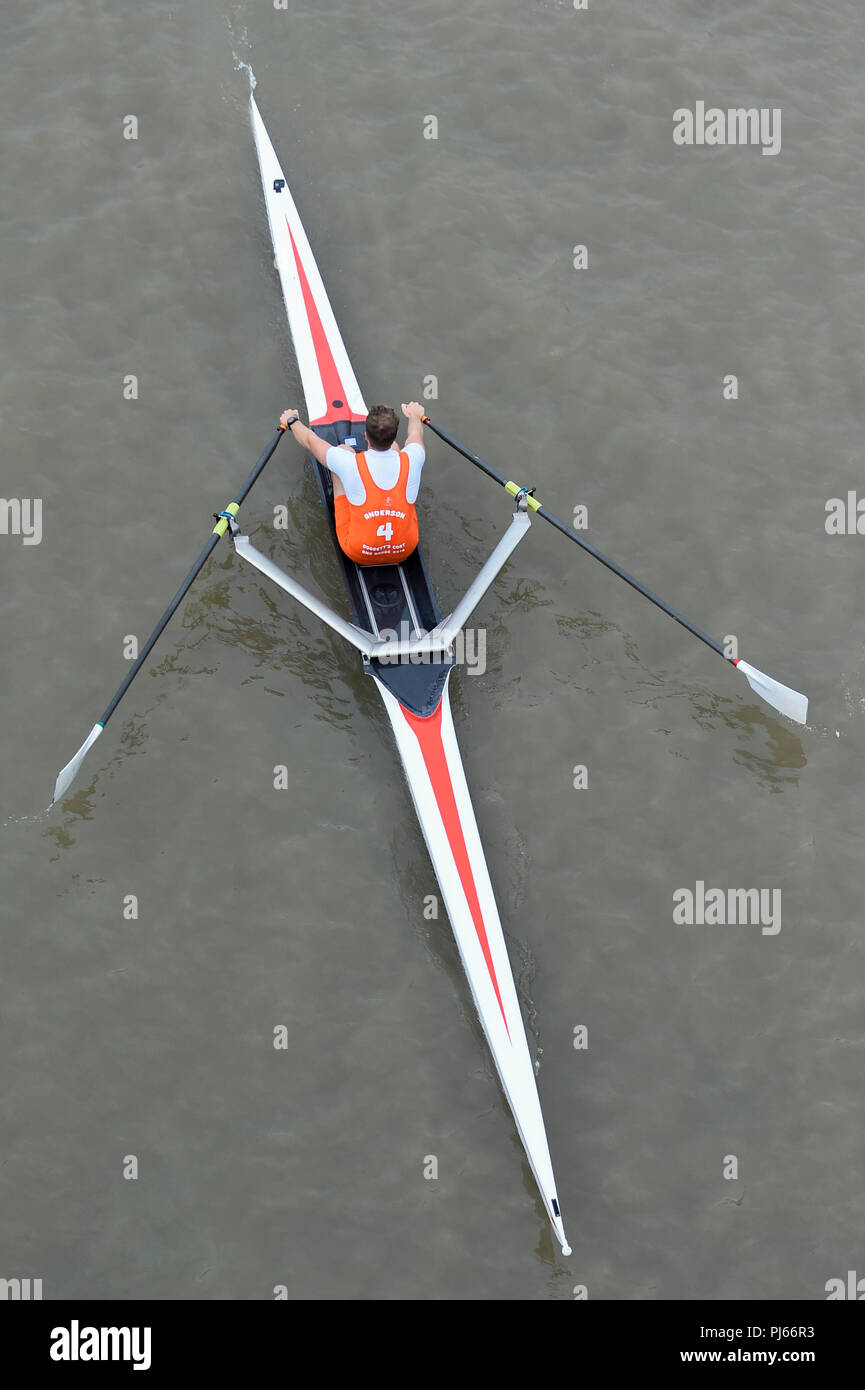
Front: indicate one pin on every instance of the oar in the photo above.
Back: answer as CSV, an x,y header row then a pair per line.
x,y
781,697
70,771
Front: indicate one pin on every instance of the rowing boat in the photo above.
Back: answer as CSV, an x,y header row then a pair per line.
x,y
399,599
407,648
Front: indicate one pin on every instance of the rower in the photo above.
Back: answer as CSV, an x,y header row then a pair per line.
x,y
374,490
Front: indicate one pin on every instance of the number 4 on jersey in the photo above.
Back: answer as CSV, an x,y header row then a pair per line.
x,y
385,531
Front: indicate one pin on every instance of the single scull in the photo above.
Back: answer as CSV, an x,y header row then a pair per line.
x,y
399,599
407,648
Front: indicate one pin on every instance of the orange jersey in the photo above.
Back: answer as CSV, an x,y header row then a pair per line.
x,y
383,530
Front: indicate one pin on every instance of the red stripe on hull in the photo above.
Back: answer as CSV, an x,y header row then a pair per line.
x,y
337,403
428,731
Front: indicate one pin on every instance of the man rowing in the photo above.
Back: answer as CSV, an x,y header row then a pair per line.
x,y
374,491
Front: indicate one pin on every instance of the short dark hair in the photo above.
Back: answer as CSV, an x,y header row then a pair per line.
x,y
382,424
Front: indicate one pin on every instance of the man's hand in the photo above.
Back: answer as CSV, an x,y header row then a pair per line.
x,y
305,437
414,413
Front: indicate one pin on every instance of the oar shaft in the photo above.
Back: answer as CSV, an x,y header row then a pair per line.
x,y
467,453
634,583
578,540
67,774
257,471
219,530
160,628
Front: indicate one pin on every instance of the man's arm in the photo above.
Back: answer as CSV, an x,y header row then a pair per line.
x,y
305,437
414,413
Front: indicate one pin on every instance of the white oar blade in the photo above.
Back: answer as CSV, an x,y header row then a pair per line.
x,y
779,696
70,771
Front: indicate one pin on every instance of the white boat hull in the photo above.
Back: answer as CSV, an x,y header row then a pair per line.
x,y
415,695
434,771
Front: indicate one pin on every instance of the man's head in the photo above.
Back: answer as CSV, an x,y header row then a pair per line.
x,y
382,424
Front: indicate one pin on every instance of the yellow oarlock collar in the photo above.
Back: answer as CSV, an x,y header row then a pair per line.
x,y
515,490
222,522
